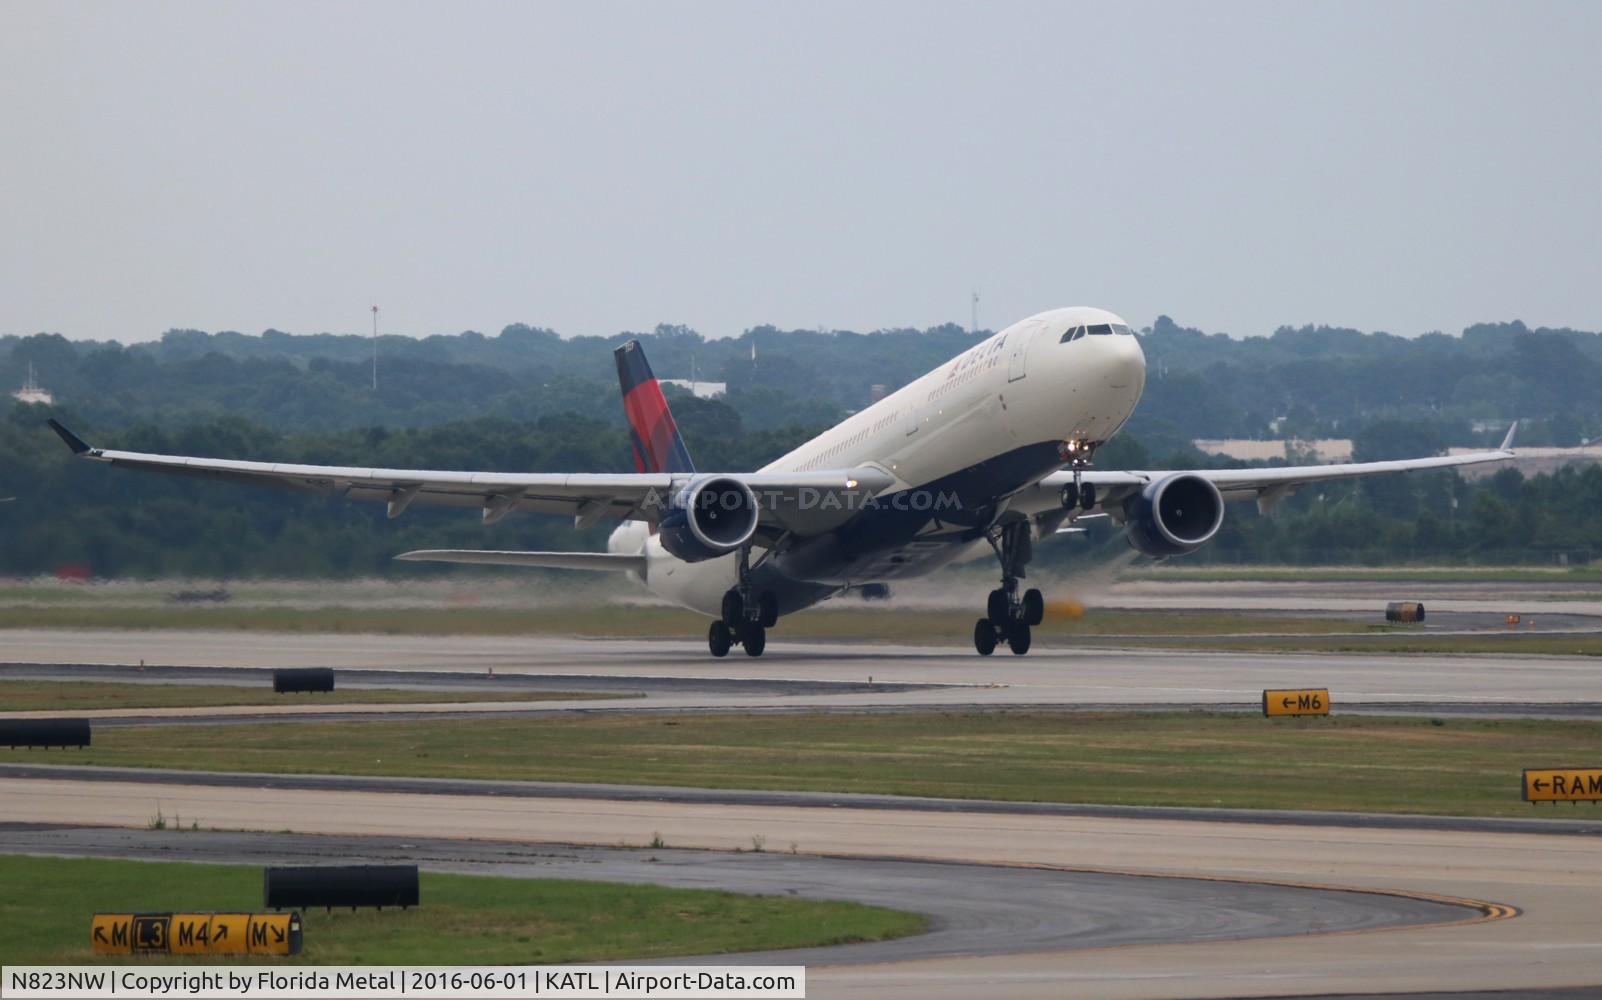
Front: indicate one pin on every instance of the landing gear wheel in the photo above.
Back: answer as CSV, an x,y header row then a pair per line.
x,y
754,637
996,608
1018,638
733,609
1087,495
768,609
984,637
1034,607
719,639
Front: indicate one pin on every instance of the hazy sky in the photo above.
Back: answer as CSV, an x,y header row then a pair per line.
x,y
599,167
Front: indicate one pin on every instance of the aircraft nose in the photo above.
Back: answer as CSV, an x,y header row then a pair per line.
x,y
1123,363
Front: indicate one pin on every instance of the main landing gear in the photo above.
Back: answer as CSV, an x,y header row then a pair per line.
x,y
1009,617
747,616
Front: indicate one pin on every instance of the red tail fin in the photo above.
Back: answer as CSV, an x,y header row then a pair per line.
x,y
658,447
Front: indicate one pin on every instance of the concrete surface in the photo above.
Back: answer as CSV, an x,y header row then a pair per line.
x,y
972,909
835,676
1554,880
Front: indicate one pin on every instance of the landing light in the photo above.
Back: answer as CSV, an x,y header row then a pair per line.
x,y
851,484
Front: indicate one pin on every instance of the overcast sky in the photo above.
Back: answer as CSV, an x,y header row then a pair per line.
x,y
601,167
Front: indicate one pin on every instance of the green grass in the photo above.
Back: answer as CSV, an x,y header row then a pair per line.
x,y
900,625
46,903
1548,644
70,695
1449,767
1315,574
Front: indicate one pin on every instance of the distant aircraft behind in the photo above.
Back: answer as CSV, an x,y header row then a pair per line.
x,y
992,448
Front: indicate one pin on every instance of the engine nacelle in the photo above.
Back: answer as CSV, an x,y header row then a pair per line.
x,y
1174,516
709,518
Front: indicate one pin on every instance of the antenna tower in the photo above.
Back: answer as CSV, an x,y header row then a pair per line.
x,y
375,348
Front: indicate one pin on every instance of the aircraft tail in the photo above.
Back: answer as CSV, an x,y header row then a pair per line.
x,y
658,447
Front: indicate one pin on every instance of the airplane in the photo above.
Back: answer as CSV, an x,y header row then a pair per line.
x,y
992,448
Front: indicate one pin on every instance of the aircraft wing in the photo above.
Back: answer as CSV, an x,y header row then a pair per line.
x,y
1266,485
587,497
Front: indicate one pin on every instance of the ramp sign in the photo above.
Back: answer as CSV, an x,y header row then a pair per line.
x,y
1563,784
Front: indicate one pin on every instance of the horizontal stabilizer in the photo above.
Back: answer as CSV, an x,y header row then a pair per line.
x,y
618,562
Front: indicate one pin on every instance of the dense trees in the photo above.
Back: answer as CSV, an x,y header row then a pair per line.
x,y
1316,381
530,400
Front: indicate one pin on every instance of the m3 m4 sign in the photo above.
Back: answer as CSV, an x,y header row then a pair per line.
x,y
1307,701
1563,784
195,933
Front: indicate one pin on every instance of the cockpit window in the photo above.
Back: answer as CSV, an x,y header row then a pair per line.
x,y
1099,329
1072,333
1122,330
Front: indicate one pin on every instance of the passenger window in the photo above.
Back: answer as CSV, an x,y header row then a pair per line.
x,y
1099,330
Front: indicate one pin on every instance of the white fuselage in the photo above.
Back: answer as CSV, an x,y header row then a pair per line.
x,y
1016,391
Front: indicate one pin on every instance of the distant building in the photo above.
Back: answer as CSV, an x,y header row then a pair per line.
x,y
876,392
32,393
1532,461
700,390
1323,450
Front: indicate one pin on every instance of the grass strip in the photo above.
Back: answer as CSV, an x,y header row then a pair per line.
x,y
1468,767
901,625
46,903
1377,574
1509,644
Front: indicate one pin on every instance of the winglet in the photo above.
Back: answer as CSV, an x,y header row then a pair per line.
x,y
1507,442
73,441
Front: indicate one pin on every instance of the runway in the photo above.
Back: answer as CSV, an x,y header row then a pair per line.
x,y
677,675
1542,826
1553,879
972,909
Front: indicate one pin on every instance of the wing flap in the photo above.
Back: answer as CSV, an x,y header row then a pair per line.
x,y
615,562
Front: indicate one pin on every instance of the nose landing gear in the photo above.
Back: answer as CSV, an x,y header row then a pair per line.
x,y
1010,617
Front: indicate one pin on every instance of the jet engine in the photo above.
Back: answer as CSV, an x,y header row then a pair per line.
x,y
1174,515
709,518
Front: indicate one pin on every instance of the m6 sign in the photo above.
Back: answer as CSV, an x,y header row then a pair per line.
x,y
1305,701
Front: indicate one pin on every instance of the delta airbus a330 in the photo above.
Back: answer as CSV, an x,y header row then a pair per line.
x,y
993,448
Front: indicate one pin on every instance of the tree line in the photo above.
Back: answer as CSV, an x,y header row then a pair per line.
x,y
1309,382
